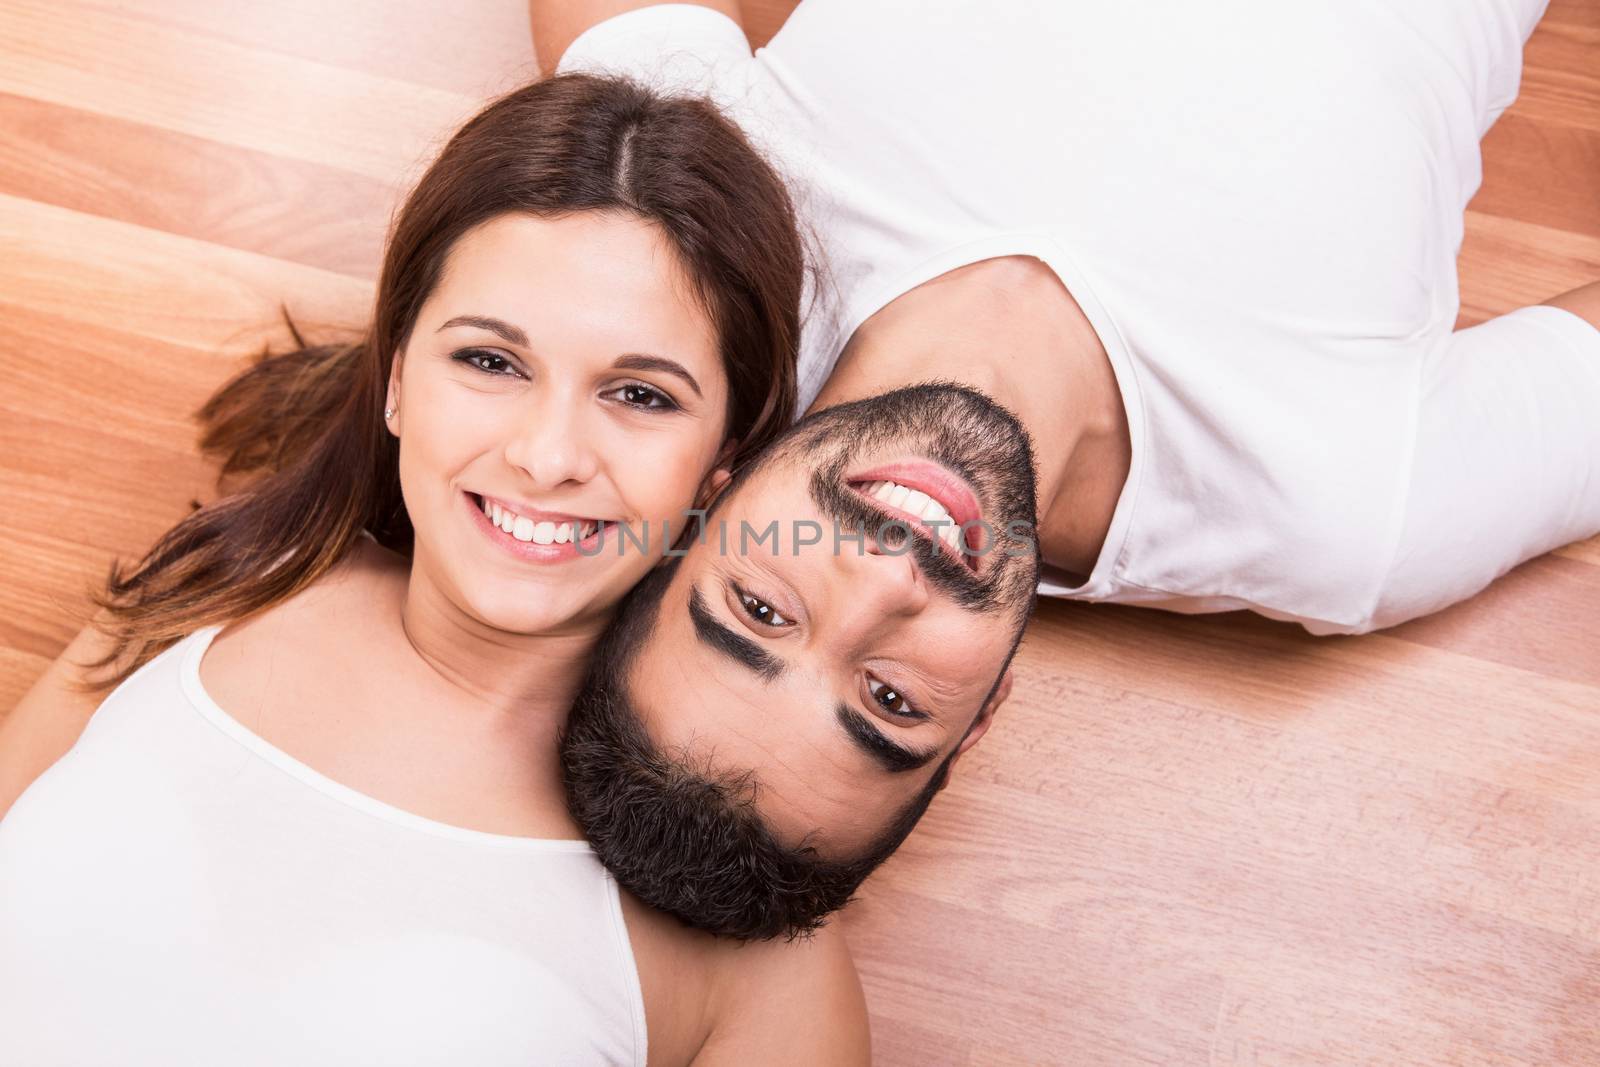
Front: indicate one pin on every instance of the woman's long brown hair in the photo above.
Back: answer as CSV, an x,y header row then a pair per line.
x,y
304,429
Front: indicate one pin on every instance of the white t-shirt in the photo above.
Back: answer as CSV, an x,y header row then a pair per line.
x,y
1257,205
175,891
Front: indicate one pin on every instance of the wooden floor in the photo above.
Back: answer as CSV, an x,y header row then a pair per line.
x,y
1190,840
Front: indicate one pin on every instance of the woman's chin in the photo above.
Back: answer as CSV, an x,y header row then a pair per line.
x,y
548,616
535,607
531,597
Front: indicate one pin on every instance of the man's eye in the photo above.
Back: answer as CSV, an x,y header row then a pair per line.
x,y
891,699
761,611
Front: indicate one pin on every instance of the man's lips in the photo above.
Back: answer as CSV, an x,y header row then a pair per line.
x,y
934,480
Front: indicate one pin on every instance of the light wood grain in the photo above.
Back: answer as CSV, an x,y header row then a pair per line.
x,y
1188,840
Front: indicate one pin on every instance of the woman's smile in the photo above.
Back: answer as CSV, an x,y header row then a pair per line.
x,y
535,536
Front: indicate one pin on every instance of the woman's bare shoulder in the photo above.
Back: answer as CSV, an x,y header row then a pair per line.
x,y
676,967
53,713
713,1000
790,1002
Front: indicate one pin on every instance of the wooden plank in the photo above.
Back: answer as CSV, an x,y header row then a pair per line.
x,y
173,182
1520,154
1560,78
130,67
476,52
162,286
1506,264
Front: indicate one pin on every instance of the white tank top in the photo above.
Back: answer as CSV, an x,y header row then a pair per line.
x,y
177,891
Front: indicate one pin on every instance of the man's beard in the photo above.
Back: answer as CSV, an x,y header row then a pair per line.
x,y
955,426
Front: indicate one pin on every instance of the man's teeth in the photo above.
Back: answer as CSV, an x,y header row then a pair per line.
x,y
540,533
916,502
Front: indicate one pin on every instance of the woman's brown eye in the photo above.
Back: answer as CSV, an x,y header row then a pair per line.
x,y
491,363
643,396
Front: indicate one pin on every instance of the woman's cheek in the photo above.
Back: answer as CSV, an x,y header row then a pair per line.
x,y
690,463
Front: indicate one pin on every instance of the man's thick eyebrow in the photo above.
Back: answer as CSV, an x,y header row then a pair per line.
x,y
735,646
892,757
484,322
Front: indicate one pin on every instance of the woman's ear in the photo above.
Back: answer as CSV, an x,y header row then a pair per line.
x,y
711,488
721,471
391,398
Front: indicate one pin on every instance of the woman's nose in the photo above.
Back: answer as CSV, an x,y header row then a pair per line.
x,y
553,440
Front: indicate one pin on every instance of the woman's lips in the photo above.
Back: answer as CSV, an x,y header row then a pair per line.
x,y
532,551
519,508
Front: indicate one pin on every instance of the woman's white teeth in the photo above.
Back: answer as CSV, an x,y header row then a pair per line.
x,y
540,533
916,502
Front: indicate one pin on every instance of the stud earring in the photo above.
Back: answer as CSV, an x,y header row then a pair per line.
x,y
388,413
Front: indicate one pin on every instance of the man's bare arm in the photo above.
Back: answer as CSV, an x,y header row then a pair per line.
x,y
557,23
1583,302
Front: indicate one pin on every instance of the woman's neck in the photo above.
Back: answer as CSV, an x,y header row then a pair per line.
x,y
523,683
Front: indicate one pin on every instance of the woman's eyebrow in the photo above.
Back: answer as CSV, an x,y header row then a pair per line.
x,y
626,361
493,325
646,361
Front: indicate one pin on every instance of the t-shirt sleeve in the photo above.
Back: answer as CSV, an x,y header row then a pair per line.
x,y
675,48
1506,463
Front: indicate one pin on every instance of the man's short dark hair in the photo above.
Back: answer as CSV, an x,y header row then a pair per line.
x,y
678,834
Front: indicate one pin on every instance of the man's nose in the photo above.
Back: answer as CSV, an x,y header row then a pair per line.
x,y
885,580
553,440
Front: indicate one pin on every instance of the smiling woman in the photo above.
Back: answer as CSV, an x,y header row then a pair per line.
x,y
587,312
576,213
552,354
